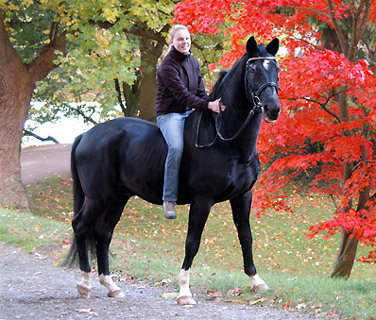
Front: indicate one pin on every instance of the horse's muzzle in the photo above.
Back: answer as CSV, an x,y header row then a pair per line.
x,y
271,113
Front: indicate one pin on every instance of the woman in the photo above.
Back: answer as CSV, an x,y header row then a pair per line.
x,y
180,89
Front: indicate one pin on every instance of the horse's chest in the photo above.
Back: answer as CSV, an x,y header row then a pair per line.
x,y
243,174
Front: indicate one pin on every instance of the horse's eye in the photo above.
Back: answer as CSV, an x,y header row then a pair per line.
x,y
252,69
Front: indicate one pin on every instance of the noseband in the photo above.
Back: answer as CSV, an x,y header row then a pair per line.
x,y
252,97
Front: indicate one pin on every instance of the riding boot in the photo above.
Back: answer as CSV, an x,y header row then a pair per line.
x,y
169,210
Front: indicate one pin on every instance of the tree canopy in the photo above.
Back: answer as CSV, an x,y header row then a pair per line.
x,y
97,42
77,51
326,132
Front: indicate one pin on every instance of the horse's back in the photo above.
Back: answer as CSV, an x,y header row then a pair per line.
x,y
124,155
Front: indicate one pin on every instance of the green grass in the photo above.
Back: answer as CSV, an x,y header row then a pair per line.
x,y
148,247
34,233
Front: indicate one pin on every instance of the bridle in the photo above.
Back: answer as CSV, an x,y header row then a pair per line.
x,y
252,97
255,96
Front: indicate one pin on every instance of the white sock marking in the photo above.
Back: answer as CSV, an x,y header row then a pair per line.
x,y
86,280
108,283
183,279
256,280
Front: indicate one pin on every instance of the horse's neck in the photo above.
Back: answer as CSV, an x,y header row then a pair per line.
x,y
238,110
245,143
236,114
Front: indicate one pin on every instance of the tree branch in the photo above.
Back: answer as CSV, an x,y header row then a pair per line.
x,y
86,118
118,91
334,201
32,134
337,28
322,105
310,9
359,28
373,197
8,55
42,65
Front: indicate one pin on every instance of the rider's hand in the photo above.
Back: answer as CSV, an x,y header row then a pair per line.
x,y
215,105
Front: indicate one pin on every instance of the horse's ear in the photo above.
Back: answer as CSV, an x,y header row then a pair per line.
x,y
273,46
251,45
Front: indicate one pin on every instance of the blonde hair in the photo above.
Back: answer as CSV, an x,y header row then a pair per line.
x,y
175,28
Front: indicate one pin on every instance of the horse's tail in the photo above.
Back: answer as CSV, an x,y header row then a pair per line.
x,y
78,194
78,202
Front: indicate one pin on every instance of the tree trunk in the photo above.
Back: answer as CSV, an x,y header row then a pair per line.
x,y
17,81
150,54
131,95
345,256
15,95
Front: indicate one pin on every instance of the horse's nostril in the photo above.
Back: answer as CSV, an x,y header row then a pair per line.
x,y
271,113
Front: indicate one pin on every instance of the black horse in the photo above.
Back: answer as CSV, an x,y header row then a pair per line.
x,y
124,157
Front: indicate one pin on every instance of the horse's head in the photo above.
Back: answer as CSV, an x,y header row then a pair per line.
x,y
261,78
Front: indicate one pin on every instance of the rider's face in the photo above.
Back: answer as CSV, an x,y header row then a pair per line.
x,y
182,41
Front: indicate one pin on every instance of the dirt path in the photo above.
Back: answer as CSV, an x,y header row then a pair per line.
x,y
42,162
35,289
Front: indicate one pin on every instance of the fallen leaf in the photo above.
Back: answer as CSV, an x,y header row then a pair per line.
x,y
235,292
84,310
285,305
67,241
236,301
301,306
213,295
252,303
169,295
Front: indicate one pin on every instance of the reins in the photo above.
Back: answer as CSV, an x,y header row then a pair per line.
x,y
217,128
254,97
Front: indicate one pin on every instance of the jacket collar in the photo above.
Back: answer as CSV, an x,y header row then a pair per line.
x,y
178,55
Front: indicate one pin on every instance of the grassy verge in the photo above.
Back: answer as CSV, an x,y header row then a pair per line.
x,y
148,247
46,238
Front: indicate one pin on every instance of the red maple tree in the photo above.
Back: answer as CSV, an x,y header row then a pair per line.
x,y
326,132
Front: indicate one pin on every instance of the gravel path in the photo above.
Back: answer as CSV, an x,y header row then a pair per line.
x,y
35,289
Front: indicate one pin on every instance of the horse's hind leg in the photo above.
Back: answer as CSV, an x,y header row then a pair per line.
x,y
198,215
241,208
83,224
103,234
81,227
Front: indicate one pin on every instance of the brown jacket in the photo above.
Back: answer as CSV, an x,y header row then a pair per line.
x,y
179,84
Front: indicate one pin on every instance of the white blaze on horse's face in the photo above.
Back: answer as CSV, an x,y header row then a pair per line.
x,y
266,64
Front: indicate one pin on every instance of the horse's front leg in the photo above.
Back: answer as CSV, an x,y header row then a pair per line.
x,y
198,214
241,208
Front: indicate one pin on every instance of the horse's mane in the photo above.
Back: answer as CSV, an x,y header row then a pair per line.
x,y
231,73
235,73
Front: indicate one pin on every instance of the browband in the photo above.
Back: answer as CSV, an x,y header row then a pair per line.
x,y
261,58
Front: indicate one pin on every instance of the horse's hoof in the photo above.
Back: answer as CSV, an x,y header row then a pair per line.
x,y
186,300
260,287
85,292
116,294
